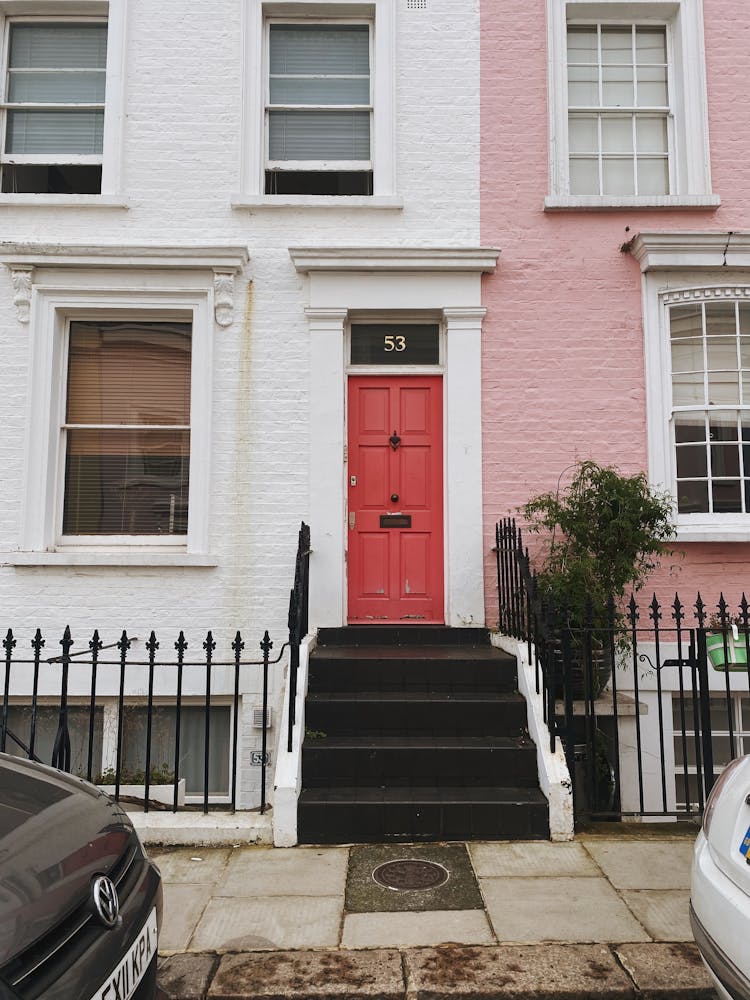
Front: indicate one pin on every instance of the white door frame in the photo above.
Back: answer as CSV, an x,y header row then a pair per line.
x,y
396,281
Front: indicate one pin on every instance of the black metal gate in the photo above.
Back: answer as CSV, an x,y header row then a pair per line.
x,y
649,708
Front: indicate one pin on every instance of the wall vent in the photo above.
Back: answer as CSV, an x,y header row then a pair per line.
x,y
258,717
416,4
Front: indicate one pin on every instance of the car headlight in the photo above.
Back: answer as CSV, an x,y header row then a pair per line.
x,y
716,791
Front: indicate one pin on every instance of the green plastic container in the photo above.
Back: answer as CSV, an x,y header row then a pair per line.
x,y
736,651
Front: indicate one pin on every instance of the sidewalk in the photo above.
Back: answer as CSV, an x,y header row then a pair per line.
x,y
603,917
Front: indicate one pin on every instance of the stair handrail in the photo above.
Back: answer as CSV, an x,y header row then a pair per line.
x,y
299,601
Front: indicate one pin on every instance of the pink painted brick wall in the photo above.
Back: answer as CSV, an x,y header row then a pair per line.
x,y
563,371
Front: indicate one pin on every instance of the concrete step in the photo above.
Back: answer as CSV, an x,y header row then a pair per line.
x,y
415,713
400,761
385,815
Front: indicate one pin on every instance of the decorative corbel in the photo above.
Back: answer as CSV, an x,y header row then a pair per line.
x,y
21,276
224,297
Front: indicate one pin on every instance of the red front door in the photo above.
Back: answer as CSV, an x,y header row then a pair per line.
x,y
395,556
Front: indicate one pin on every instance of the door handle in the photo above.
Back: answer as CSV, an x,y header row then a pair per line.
x,y
352,520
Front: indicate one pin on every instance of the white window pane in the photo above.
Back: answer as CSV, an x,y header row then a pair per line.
x,y
723,426
54,132
319,135
687,389
617,135
56,46
651,134
720,318
305,90
686,321
583,134
653,176
582,45
126,482
687,355
652,87
692,498
584,176
617,46
692,461
689,427
583,86
725,460
617,87
326,50
723,387
651,45
57,88
617,177
722,353
727,499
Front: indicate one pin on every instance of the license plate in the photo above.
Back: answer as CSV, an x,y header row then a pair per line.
x,y
124,978
745,846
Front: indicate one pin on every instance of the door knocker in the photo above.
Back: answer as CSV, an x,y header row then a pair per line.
x,y
395,440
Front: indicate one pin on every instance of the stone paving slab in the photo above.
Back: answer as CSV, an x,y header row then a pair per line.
x,y
538,858
553,972
194,865
663,912
413,930
527,910
265,871
667,971
268,923
374,975
644,865
183,908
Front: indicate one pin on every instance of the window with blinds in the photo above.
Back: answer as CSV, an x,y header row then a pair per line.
x,y
54,108
126,435
319,109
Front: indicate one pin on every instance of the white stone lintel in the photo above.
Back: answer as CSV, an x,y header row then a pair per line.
x,y
307,259
226,258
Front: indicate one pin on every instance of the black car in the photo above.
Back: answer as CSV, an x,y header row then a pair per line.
x,y
80,904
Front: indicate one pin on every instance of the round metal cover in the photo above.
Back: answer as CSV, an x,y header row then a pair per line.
x,y
410,873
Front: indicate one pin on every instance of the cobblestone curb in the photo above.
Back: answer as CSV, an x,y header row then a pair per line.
x,y
452,972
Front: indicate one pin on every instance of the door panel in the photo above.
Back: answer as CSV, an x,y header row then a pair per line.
x,y
395,572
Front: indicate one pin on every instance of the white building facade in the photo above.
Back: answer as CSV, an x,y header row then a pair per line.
x,y
196,209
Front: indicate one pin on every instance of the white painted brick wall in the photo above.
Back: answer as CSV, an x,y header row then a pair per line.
x,y
181,151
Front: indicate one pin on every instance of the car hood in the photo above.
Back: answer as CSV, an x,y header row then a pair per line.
x,y
56,833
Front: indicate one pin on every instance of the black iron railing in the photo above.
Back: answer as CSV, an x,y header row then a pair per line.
x,y
649,702
150,745
147,714
299,600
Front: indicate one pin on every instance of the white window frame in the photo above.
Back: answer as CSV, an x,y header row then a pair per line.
x,y
51,314
258,14
689,161
679,268
114,14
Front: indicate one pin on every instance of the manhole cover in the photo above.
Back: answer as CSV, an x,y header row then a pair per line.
x,y
410,874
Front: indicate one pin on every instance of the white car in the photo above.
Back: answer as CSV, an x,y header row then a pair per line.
x,y
720,889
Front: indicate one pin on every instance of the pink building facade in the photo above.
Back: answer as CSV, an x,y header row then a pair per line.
x,y
618,321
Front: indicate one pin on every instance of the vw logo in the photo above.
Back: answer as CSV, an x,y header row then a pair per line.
x,y
106,903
